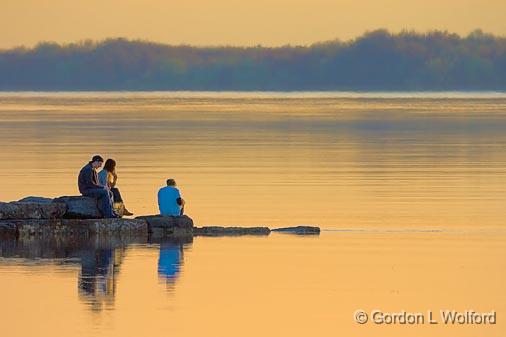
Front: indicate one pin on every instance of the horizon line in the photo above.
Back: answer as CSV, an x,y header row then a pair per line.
x,y
352,94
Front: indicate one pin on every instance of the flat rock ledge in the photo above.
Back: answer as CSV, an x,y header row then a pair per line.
x,y
46,227
77,215
68,207
300,230
79,207
159,225
230,231
31,210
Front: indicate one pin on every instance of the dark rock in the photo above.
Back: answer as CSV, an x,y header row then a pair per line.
x,y
300,230
74,226
34,226
31,210
222,231
108,226
40,200
169,225
79,207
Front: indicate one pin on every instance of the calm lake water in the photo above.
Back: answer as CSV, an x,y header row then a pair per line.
x,y
409,189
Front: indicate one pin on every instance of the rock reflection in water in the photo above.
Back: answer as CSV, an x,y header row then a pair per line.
x,y
100,259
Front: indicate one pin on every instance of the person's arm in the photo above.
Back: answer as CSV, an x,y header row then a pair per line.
x,y
92,178
112,178
88,179
180,202
159,199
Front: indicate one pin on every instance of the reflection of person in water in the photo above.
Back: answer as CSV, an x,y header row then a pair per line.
x,y
97,279
169,263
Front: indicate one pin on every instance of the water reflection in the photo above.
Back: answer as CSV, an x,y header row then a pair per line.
x,y
100,259
99,274
170,259
169,262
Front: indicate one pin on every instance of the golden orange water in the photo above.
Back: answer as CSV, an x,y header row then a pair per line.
x,y
333,160
275,285
408,189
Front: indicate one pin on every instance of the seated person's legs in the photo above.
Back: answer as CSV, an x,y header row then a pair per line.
x,y
103,201
119,206
116,195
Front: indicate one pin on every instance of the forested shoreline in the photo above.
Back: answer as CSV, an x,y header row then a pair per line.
x,y
377,60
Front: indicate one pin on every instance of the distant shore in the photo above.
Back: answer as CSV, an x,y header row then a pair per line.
x,y
377,60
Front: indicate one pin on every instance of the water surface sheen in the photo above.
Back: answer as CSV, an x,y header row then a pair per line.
x,y
408,187
377,160
250,286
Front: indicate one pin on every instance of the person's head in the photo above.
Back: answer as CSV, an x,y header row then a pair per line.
x,y
171,182
110,165
96,161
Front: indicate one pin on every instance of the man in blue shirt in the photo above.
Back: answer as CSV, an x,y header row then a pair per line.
x,y
169,200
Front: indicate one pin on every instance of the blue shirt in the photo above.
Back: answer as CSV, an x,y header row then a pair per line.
x,y
102,177
167,201
170,260
88,179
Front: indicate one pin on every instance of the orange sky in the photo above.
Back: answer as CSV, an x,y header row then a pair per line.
x,y
237,22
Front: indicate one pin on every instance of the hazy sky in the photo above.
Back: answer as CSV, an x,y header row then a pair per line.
x,y
237,22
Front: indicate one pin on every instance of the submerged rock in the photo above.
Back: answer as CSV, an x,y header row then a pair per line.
x,y
31,210
79,207
169,225
218,231
301,230
73,226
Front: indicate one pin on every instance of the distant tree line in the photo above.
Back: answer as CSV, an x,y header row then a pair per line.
x,y
377,60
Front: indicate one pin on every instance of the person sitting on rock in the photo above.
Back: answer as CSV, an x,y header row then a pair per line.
x,y
169,200
107,177
89,186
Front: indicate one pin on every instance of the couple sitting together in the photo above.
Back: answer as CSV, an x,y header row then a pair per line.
x,y
102,186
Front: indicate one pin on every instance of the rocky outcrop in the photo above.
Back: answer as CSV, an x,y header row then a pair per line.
x,y
159,225
31,210
79,207
108,226
69,207
40,200
73,226
78,215
300,230
225,231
